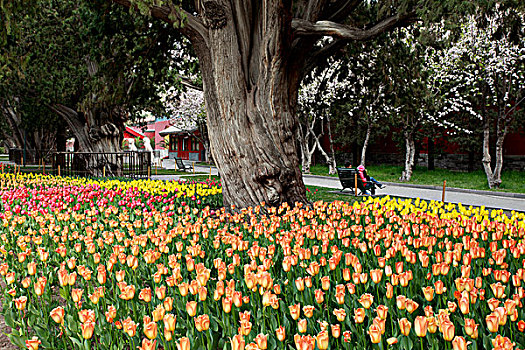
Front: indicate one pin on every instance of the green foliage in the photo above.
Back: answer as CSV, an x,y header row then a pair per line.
x,y
56,42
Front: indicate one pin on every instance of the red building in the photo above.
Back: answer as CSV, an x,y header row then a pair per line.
x,y
184,144
132,132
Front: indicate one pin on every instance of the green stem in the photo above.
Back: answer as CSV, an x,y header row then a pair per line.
x,y
421,339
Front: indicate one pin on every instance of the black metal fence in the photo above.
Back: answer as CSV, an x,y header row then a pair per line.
x,y
102,164
28,156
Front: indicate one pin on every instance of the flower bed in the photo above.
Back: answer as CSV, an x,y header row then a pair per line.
x,y
120,265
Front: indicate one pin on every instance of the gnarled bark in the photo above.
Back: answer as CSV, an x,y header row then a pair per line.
x,y
95,132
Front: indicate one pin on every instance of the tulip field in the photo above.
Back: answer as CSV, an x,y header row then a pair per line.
x,y
113,264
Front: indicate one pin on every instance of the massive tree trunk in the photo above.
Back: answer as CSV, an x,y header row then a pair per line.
x,y
251,100
95,132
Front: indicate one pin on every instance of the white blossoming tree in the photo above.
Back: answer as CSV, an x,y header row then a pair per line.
x,y
482,75
316,98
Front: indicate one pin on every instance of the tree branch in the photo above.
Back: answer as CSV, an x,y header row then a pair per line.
x,y
188,83
192,26
329,28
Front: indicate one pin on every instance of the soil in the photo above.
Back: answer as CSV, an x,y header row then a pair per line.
x,y
5,343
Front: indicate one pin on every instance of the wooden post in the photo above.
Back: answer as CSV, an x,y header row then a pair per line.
x,y
43,167
104,171
355,184
210,174
149,171
193,165
443,195
156,167
59,170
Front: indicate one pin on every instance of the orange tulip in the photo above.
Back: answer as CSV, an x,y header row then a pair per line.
x,y
281,333
129,326
347,336
375,333
502,315
428,292
459,343
57,314
401,302
391,341
183,344
319,296
308,310
147,344
170,321
404,326
262,341
421,326
498,290
33,343
191,308
521,326
464,305
382,311
411,306
20,302
376,275
304,342
322,340
470,325
302,325
158,313
86,315
168,303
493,303
448,330
359,315
325,282
87,329
295,311
336,330
502,343
150,330
432,324
366,300
440,287
452,306
340,314
308,281
299,283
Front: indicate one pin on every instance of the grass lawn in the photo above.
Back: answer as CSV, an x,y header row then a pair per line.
x,y
513,180
315,193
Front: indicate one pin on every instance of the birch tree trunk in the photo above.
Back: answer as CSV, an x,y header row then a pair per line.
x,y
305,149
331,163
410,150
365,144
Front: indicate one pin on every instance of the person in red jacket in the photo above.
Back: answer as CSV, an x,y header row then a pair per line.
x,y
365,178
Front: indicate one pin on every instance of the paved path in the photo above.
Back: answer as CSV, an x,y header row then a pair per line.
x,y
506,201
